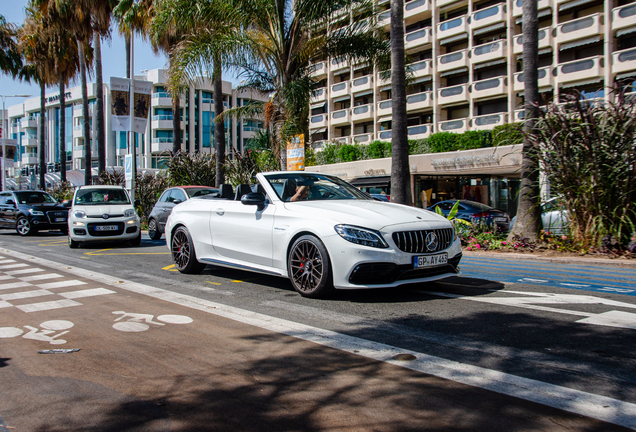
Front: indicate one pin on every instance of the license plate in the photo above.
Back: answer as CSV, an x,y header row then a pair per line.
x,y
60,219
500,219
106,228
430,260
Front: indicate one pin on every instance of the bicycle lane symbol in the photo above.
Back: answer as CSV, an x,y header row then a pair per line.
x,y
138,322
47,332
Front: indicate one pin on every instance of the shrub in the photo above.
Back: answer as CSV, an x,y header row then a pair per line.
x,y
192,169
376,149
242,168
473,140
329,154
349,152
62,191
148,188
507,134
443,142
419,146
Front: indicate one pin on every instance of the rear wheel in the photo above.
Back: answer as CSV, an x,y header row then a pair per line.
x,y
309,267
153,230
72,243
183,254
24,227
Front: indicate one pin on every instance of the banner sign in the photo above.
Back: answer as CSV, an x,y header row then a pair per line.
x,y
11,146
296,153
143,92
120,104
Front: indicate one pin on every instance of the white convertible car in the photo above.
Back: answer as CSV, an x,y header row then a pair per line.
x,y
315,229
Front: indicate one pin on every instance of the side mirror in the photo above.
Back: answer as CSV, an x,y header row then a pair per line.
x,y
177,201
137,203
67,203
254,198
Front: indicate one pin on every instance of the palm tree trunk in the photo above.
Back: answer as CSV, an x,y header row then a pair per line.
x,y
176,124
400,174
528,222
99,109
62,131
219,128
128,39
88,177
42,136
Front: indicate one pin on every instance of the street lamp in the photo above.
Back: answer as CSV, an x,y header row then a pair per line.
x,y
4,134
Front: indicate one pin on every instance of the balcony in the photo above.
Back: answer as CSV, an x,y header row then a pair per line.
x,y
624,16
162,122
517,8
449,95
363,138
488,16
385,135
546,79
586,27
29,123
29,158
78,152
452,27
440,3
319,69
493,87
417,38
362,112
419,132
520,115
318,144
457,126
384,19
340,89
362,84
586,69
340,117
419,100
421,68
452,61
319,95
161,99
489,121
30,142
489,51
161,145
385,108
342,140
415,7
339,64
545,40
317,121
624,61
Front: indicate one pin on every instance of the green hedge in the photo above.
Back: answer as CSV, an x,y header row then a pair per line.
x,y
507,134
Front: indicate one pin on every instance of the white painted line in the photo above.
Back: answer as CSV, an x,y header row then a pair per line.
x,y
575,401
24,271
6,277
58,304
25,294
41,277
4,304
7,261
10,266
14,285
573,285
87,293
62,284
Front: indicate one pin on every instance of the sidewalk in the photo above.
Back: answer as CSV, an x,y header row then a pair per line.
x,y
538,256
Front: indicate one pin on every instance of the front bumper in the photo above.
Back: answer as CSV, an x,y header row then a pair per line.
x,y
85,230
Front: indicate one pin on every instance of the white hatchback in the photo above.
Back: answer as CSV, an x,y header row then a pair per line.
x,y
102,213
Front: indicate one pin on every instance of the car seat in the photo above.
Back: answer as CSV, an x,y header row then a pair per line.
x,y
289,189
226,191
242,190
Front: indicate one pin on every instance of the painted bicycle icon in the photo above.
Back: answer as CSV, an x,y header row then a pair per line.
x,y
137,322
46,333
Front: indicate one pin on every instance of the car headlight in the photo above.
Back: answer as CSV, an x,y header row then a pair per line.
x,y
361,236
80,214
454,232
129,213
36,212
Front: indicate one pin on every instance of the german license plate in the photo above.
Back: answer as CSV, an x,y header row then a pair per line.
x,y
430,260
106,228
500,219
60,219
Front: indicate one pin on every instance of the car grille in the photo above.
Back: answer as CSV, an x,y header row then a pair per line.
x,y
415,241
385,273
52,215
102,216
93,232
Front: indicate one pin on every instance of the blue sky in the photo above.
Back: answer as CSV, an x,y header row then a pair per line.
x,y
113,57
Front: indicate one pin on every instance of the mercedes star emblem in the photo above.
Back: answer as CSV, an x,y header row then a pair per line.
x,y
431,241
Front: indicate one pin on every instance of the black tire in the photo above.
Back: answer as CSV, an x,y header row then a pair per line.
x,y
153,230
183,253
136,241
72,243
64,230
309,267
24,227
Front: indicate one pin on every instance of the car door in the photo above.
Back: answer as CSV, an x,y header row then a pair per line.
x,y
10,210
242,232
176,196
163,208
3,217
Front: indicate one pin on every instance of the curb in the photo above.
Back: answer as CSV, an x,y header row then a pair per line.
x,y
615,262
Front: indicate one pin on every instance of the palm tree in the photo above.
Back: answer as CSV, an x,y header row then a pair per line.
x,y
10,58
528,221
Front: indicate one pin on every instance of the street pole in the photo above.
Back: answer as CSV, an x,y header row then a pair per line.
x,y
131,140
4,134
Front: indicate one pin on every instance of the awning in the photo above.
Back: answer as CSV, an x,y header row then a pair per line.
x,y
318,131
490,63
454,72
383,181
453,39
580,83
540,52
579,42
363,93
625,31
318,105
489,28
360,66
342,98
385,118
542,13
420,80
631,74
572,4
386,88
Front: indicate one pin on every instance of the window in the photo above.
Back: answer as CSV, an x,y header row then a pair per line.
x,y
177,194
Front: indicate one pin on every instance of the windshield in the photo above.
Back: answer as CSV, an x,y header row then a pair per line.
x,y
34,198
101,197
313,187
196,192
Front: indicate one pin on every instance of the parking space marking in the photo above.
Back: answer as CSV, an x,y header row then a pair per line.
x,y
56,304
214,283
24,271
62,284
86,293
171,267
99,253
41,277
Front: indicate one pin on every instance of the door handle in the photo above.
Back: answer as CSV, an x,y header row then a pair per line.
x,y
219,211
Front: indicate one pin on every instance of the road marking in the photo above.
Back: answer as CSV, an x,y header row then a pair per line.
x,y
57,304
99,253
86,293
55,242
213,283
7,261
41,277
14,285
25,294
62,284
575,401
171,267
6,277
10,266
24,271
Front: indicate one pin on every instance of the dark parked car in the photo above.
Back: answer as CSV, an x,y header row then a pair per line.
x,y
475,212
381,197
170,198
30,211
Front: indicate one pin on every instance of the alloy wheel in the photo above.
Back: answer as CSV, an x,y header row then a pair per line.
x,y
180,249
306,266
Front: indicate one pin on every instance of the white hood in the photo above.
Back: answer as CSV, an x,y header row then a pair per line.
x,y
109,209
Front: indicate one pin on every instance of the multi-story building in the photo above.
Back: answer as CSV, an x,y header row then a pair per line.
x,y
465,58
197,127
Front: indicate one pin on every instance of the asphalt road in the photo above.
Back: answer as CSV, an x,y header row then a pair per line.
x,y
510,345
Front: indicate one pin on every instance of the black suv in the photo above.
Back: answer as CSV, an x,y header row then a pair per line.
x,y
30,211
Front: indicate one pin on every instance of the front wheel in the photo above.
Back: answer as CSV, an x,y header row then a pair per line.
x,y
136,241
309,267
24,227
72,243
183,254
153,230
